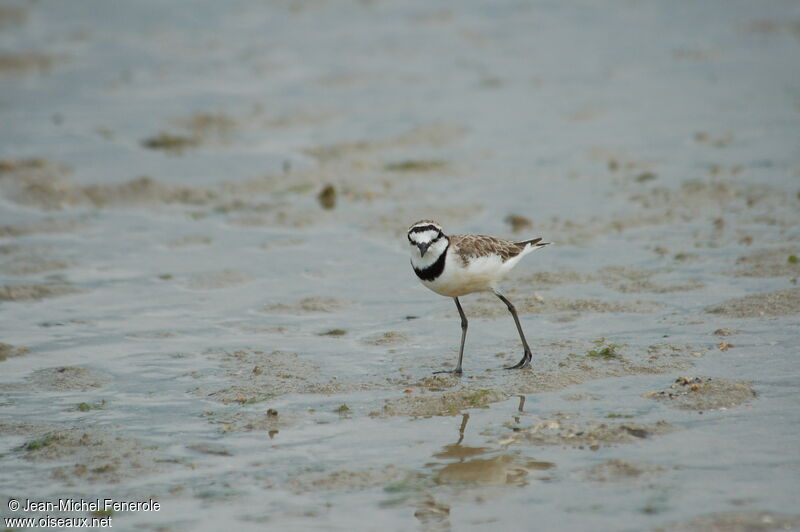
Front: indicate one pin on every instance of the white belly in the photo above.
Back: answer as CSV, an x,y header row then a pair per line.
x,y
479,275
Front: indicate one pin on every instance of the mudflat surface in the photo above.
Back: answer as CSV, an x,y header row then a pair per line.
x,y
205,296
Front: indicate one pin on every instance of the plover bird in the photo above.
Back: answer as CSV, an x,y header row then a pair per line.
x,y
457,265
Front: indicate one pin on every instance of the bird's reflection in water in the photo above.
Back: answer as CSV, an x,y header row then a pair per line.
x,y
466,466
520,408
458,451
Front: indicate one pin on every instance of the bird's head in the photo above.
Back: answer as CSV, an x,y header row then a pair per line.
x,y
426,238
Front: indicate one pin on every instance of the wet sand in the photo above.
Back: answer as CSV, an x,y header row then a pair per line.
x,y
205,296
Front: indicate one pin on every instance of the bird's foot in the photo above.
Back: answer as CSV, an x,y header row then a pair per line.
x,y
524,363
457,372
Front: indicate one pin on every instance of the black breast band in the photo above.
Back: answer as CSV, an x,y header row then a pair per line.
x,y
434,270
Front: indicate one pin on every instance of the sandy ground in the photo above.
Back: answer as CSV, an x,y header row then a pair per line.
x,y
205,297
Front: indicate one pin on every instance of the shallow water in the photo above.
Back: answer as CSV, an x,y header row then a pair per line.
x,y
175,337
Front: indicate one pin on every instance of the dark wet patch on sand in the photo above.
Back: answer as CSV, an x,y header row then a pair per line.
x,y
620,278
581,232
431,514
40,183
282,243
47,225
415,165
348,480
309,304
29,430
31,264
545,280
27,292
438,382
748,521
25,63
268,420
170,143
210,449
269,215
695,197
196,130
431,134
255,377
67,378
629,280
704,393
7,351
577,368
782,262
486,306
389,338
94,455
190,241
446,403
791,27
153,335
567,430
13,15
27,259
259,375
769,304
616,470
47,185
555,367
218,280
692,200
252,328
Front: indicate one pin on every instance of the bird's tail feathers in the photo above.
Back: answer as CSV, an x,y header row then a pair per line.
x,y
535,243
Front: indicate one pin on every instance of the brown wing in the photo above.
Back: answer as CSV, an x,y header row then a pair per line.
x,y
470,247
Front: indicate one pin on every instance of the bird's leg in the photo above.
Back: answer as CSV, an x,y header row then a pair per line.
x,y
527,356
457,371
464,419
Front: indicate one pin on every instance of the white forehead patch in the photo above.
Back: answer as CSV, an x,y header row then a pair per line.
x,y
423,237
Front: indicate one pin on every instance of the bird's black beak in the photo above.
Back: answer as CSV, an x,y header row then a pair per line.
x,y
423,248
